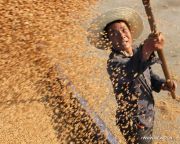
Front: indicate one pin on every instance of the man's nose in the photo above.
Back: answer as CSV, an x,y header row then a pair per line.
x,y
122,34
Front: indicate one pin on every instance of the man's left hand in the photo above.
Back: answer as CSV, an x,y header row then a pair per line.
x,y
169,85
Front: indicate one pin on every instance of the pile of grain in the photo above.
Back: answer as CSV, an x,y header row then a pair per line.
x,y
34,36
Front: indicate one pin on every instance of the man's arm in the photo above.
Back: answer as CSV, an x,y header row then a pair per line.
x,y
156,82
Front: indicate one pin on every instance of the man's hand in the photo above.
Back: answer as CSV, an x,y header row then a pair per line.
x,y
154,42
169,85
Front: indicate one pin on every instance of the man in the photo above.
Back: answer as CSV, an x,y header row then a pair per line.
x,y
130,72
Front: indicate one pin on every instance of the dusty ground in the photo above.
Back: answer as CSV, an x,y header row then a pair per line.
x,y
35,35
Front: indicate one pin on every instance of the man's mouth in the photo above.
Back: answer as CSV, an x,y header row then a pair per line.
x,y
124,42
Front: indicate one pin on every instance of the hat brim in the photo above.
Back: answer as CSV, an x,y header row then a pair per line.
x,y
96,29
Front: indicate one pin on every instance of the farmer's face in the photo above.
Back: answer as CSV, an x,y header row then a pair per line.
x,y
120,36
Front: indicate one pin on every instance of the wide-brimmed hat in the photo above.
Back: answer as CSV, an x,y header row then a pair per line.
x,y
96,29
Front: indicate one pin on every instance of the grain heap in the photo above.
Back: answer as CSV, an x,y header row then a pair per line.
x,y
33,35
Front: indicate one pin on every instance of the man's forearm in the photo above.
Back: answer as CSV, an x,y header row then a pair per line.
x,y
146,52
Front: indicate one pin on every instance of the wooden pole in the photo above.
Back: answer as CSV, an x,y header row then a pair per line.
x,y
153,27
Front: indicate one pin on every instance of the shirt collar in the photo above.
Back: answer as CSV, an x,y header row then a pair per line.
x,y
124,53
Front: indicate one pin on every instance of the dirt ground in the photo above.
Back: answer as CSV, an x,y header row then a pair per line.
x,y
35,35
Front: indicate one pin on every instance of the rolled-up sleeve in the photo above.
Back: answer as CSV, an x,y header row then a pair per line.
x,y
156,82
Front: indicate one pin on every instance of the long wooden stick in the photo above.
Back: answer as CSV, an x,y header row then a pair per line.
x,y
153,27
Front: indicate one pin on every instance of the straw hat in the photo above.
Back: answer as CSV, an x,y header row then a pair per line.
x,y
96,29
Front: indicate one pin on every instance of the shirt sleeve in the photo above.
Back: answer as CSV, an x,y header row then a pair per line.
x,y
156,82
